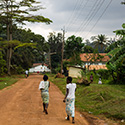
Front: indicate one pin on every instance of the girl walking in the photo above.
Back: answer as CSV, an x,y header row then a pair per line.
x,y
44,87
70,99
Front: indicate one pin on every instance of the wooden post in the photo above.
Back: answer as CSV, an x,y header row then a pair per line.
x,y
62,50
50,58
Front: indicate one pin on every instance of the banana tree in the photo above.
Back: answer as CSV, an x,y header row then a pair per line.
x,y
117,53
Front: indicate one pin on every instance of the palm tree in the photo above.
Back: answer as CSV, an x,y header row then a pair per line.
x,y
100,42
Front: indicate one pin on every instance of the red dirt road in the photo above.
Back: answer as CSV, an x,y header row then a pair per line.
x,y
21,104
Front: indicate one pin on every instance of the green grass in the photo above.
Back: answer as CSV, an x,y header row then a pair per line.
x,y
105,99
101,99
9,80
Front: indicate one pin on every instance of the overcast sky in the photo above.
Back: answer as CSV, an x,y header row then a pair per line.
x,y
84,18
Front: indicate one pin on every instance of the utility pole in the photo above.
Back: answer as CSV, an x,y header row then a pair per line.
x,y
63,37
50,58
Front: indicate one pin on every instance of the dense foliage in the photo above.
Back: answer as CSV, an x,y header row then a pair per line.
x,y
2,64
73,49
14,12
55,53
117,53
28,50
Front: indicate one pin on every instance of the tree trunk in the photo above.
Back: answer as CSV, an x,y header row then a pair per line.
x,y
9,37
118,79
8,49
9,55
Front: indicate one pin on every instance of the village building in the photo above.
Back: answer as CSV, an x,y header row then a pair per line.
x,y
39,67
75,71
93,61
90,62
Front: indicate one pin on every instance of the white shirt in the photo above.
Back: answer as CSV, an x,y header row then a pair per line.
x,y
41,85
100,82
26,71
71,87
44,85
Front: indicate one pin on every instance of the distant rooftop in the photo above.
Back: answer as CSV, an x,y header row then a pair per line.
x,y
87,57
37,64
96,67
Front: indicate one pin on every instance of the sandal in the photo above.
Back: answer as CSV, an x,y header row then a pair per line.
x,y
46,112
67,118
73,122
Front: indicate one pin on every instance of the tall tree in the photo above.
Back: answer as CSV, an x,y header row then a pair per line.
x,y
73,48
12,12
55,46
100,42
26,36
88,49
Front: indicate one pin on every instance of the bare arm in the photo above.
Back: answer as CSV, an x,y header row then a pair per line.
x,y
67,92
49,84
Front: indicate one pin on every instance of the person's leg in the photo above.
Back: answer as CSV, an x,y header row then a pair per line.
x,y
73,111
67,117
73,121
43,107
46,106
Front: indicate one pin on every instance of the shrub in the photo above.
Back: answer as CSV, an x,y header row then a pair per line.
x,y
20,70
2,64
16,69
105,74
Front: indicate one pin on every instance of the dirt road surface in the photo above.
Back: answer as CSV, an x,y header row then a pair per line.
x,y
21,104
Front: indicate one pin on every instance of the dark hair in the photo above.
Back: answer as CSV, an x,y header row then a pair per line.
x,y
69,79
45,77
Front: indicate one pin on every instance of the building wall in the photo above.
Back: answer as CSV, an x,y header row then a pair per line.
x,y
39,68
74,72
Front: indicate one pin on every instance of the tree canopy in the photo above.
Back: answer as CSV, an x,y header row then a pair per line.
x,y
100,42
13,13
73,45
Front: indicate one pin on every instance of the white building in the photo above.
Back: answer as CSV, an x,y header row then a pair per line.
x,y
39,68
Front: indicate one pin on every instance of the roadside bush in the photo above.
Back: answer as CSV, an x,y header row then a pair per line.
x,y
105,74
20,70
2,64
17,69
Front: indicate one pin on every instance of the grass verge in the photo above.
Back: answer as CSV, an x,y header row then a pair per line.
x,y
9,80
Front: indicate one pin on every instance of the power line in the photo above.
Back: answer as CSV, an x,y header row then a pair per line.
x,y
77,14
88,14
91,15
99,17
75,7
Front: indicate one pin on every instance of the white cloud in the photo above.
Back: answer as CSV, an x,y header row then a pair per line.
x,y
74,13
